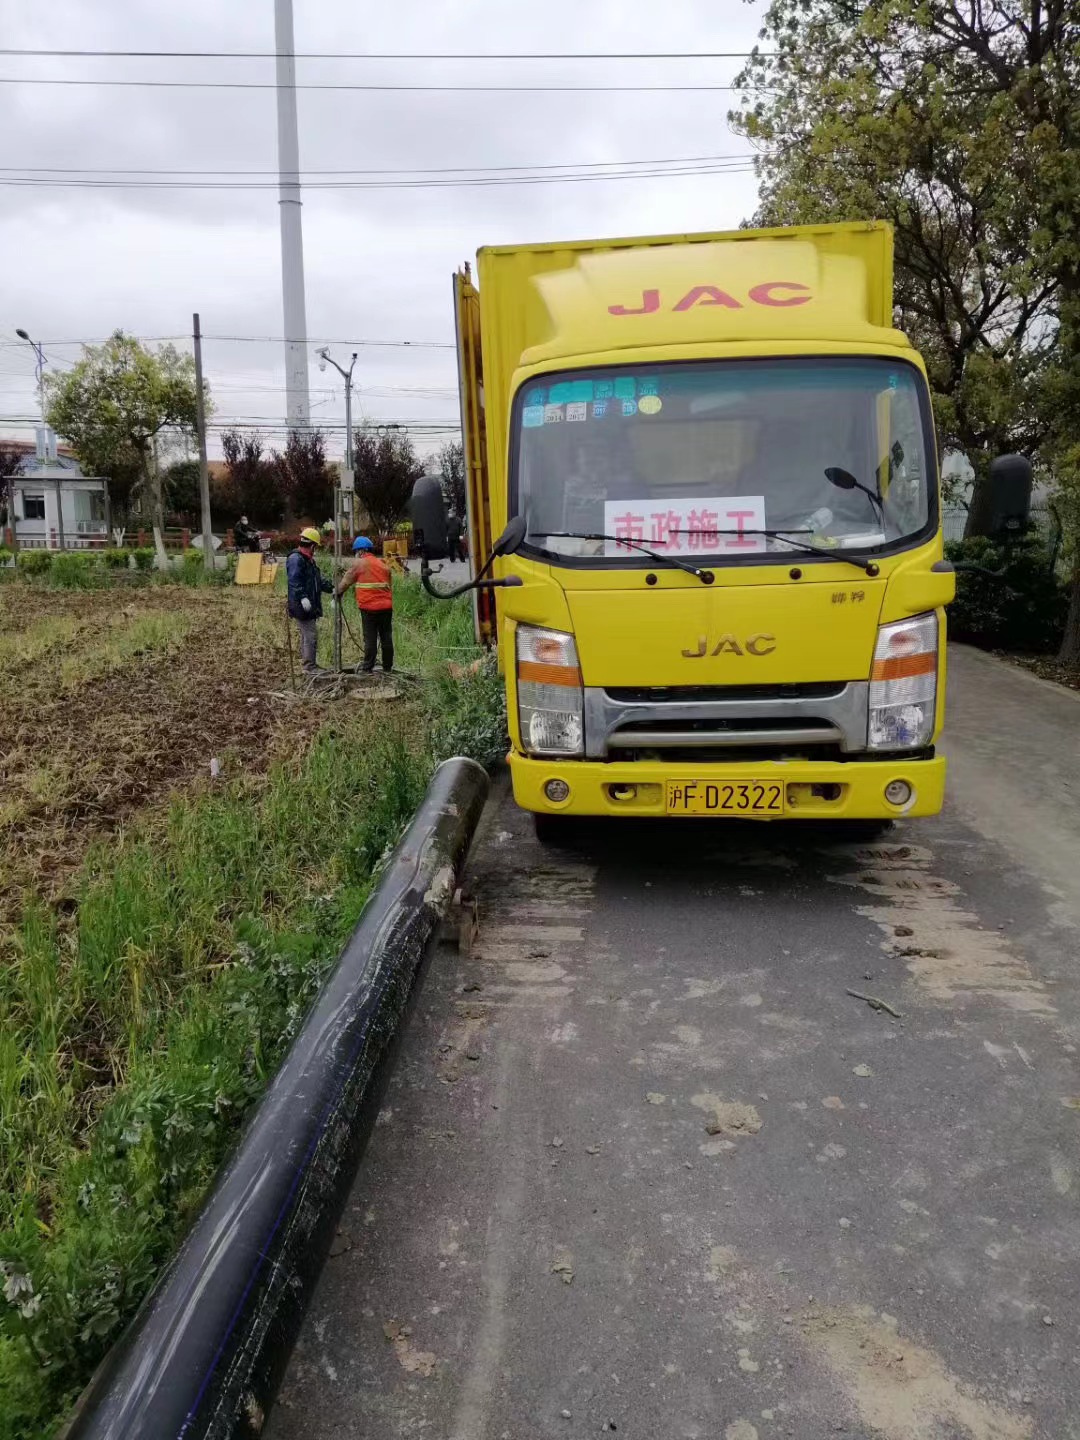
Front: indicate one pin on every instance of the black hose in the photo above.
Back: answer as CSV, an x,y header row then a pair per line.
x,y
203,1356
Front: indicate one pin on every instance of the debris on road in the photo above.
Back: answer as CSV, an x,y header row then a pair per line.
x,y
729,1117
563,1265
875,1003
416,1362
863,1071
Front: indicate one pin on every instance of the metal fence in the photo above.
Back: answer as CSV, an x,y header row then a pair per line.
x,y
1043,521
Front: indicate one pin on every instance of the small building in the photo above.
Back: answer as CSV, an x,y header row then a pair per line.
x,y
56,507
55,510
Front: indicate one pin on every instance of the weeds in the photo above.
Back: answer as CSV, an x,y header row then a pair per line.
x,y
136,1031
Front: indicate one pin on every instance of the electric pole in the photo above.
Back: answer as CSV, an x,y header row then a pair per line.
x,y
204,469
292,234
347,482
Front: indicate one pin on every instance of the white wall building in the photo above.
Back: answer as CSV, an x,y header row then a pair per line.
x,y
58,510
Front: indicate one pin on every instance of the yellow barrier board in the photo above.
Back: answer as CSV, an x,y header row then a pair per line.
x,y
249,569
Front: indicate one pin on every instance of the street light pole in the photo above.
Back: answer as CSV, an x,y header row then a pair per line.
x,y
325,358
39,369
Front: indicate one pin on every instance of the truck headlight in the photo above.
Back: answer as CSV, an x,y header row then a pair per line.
x,y
903,685
549,692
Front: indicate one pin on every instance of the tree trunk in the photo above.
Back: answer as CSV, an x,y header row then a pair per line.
x,y
1069,654
155,495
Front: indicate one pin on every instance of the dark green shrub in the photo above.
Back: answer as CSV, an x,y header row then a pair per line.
x,y
1024,611
35,562
144,558
115,559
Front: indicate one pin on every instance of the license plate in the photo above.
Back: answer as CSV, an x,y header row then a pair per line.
x,y
725,797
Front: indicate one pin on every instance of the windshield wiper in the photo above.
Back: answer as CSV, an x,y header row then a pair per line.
x,y
869,566
705,576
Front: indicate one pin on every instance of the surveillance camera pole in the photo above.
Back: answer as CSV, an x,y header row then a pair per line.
x,y
327,359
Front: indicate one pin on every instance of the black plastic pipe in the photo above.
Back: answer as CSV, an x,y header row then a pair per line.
x,y
203,1356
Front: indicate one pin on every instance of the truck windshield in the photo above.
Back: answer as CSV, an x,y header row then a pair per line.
x,y
699,459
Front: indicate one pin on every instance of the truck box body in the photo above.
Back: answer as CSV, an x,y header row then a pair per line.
x,y
685,394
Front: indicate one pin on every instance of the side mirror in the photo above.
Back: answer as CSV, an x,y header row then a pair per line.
x,y
842,479
427,510
512,537
1010,493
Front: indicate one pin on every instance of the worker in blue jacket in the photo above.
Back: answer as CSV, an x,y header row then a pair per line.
x,y
307,586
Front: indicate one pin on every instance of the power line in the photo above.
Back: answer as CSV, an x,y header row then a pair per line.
x,y
383,55
253,339
398,171
477,183
406,89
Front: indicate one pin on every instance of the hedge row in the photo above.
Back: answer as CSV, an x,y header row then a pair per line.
x,y
91,570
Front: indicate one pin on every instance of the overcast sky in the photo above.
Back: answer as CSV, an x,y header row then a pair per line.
x,y
80,262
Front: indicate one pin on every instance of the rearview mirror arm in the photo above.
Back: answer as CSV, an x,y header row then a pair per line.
x,y
479,583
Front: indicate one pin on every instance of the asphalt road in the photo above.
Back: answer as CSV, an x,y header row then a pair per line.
x,y
646,1167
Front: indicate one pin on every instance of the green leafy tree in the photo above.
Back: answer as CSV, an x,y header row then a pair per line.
x,y
114,403
959,122
386,470
452,476
182,494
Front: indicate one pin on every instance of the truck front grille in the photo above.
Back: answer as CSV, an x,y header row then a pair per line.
x,y
690,694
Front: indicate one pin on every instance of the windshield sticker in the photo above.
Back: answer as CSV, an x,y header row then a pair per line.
x,y
536,397
724,525
531,416
577,410
599,409
629,407
625,387
604,389
649,386
552,414
650,404
571,391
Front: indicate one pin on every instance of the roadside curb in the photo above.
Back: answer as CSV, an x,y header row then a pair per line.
x,y
204,1354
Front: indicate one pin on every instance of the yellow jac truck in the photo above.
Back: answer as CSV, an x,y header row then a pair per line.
x,y
720,586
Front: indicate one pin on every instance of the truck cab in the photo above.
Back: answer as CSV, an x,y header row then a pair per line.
x,y
726,591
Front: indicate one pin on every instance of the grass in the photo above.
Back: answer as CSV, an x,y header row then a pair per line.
x,y
139,1021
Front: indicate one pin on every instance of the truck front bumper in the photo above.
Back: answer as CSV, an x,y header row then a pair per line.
x,y
813,790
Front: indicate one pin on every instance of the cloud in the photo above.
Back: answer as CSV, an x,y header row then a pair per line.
x,y
378,261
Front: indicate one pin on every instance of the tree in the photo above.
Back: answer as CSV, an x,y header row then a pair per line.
x,y
114,403
386,470
306,481
10,464
253,479
957,120
452,477
182,495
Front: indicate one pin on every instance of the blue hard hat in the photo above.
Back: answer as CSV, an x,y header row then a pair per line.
x,y
362,543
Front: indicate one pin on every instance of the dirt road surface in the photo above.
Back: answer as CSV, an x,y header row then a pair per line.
x,y
645,1167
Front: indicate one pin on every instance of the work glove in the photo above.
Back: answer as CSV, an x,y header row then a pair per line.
x,y
305,605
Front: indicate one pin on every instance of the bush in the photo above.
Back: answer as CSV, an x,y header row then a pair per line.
x,y
1023,612
115,559
72,571
192,569
35,562
144,558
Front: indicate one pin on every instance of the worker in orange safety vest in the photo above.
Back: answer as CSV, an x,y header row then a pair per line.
x,y
370,577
